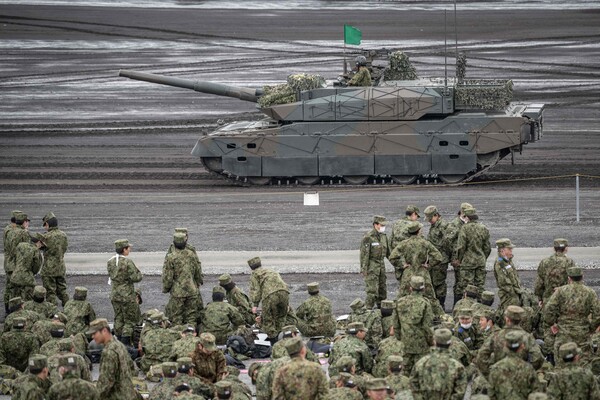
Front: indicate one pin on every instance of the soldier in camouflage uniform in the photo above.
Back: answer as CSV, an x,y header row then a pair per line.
x,y
315,317
7,271
209,361
362,77
220,318
299,379
182,278
352,345
487,322
54,270
510,289
399,228
17,345
265,377
370,318
437,375
378,389
468,332
12,238
388,347
123,274
439,234
114,381
186,376
387,320
485,305
185,346
164,389
237,298
79,311
471,253
452,237
345,388
374,248
573,382
35,384
157,343
347,364
27,264
399,383
573,312
66,349
512,378
240,391
279,350
412,323
71,386
267,287
468,301
15,306
39,304
51,346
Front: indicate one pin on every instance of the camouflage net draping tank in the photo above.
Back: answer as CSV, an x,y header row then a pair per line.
x,y
402,130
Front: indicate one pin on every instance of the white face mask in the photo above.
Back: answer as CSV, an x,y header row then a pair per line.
x,y
381,229
466,326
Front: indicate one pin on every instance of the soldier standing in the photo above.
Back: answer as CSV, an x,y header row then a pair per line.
x,y
412,323
27,265
374,248
267,287
54,270
209,361
237,298
573,382
181,278
221,319
299,379
71,386
471,253
439,233
437,375
362,77
12,238
315,317
452,236
123,274
114,381
505,272
552,271
399,228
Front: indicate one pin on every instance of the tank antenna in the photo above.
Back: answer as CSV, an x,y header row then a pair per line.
x,y
455,34
445,53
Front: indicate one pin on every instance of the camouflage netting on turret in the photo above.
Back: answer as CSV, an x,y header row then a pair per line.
x,y
286,92
484,94
400,68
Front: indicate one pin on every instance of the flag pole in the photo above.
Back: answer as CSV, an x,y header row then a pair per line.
x,y
345,63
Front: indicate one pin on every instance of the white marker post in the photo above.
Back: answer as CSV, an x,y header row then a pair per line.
x,y
311,198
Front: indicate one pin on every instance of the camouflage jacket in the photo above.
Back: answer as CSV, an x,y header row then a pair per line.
x,y
372,321
263,282
123,274
13,237
343,393
184,347
31,316
473,245
240,391
466,302
279,351
82,370
300,380
7,229
72,387
374,248
79,313
28,262
237,298
54,252
191,248
199,386
454,228
415,252
460,352
386,323
41,330
157,345
15,348
388,347
574,308
362,77
211,366
509,284
398,383
355,348
440,235
512,379
399,232
44,308
114,381
316,316
30,387
181,274
163,390
573,383
413,319
438,376
266,375
552,273
50,347
221,319
471,337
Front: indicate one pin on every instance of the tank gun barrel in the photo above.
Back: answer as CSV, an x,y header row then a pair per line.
x,y
219,89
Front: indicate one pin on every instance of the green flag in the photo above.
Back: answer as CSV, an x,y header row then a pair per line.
x,y
352,35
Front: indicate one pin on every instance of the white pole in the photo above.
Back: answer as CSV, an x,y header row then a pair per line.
x,y
577,195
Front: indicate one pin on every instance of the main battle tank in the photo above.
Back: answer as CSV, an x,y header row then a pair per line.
x,y
448,130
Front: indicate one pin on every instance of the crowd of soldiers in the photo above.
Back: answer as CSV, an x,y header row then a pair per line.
x,y
534,345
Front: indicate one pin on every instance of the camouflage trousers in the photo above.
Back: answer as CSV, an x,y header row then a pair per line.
x,y
274,312
577,334
438,279
182,310
126,317
469,275
409,362
375,286
25,292
8,290
326,329
56,289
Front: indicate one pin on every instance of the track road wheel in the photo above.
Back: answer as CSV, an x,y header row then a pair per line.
x,y
356,179
259,180
404,179
451,179
308,180
214,164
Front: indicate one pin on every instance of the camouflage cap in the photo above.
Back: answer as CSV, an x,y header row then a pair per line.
x,y
354,327
48,216
232,371
179,238
122,244
67,361
181,230
293,346
208,341
562,243
430,211
395,362
60,316
223,388
486,313
188,329
97,324
39,291
253,367
468,212
413,209
254,262
513,339
465,313
81,291
568,351
357,304
464,206
417,282
345,363
387,304
65,344
347,379
157,318
313,287
19,323
38,362
218,289
376,384
486,295
289,330
14,213
169,369
224,279
574,272
185,362
379,219
472,289
515,313
537,396
21,217
15,302
442,336
504,243
414,227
